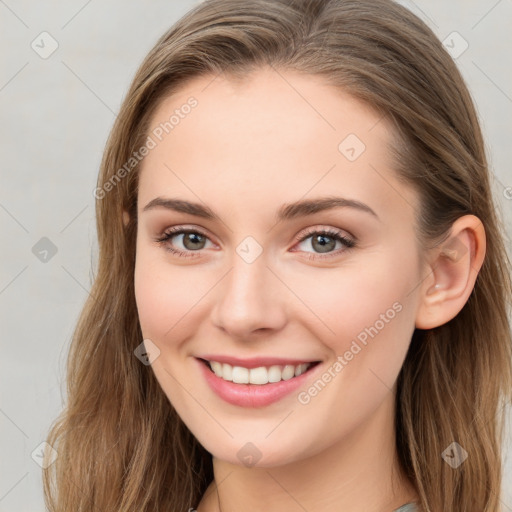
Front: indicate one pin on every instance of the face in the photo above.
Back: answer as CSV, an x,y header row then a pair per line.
x,y
259,283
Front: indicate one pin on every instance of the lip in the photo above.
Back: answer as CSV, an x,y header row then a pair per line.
x,y
255,362
253,395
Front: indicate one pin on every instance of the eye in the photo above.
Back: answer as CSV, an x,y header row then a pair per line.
x,y
324,241
192,239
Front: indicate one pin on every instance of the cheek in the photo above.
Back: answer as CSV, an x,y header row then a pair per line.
x,y
366,294
372,324
367,318
156,298
169,298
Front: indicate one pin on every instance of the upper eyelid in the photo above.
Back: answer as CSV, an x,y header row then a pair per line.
x,y
339,231
304,234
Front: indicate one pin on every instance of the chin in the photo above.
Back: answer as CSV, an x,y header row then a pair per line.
x,y
256,454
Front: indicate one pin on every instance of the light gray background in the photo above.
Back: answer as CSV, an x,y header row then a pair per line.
x,y
56,114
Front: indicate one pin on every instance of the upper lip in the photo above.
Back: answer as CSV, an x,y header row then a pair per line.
x,y
255,362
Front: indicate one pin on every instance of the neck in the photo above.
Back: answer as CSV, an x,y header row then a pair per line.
x,y
360,472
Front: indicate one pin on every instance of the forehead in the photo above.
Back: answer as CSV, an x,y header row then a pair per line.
x,y
270,135
267,101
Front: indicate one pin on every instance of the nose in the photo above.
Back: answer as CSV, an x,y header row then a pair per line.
x,y
250,299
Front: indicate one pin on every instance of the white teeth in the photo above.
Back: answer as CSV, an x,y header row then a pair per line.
x,y
288,372
260,375
227,372
274,374
217,368
240,375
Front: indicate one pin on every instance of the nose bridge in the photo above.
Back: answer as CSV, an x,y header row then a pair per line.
x,y
249,298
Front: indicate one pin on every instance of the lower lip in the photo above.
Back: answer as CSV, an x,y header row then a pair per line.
x,y
253,395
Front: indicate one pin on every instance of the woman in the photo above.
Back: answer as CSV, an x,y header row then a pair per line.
x,y
301,299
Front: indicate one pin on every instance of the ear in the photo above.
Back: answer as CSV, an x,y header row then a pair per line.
x,y
453,268
126,217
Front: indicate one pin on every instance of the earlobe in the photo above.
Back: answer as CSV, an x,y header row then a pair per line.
x,y
126,218
453,270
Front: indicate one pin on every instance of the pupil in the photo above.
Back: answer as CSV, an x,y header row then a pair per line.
x,y
193,238
324,246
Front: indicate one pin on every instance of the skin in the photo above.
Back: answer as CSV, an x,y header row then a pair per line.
x,y
246,149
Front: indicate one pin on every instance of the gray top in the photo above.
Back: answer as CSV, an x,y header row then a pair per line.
x,y
408,507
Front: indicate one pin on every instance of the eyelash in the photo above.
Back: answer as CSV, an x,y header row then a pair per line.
x,y
335,235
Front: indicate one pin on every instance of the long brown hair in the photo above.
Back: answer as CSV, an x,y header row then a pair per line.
x,y
121,445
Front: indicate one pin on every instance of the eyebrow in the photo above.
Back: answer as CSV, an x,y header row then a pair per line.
x,y
287,211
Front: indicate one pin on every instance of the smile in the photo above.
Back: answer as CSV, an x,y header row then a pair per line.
x,y
261,375
258,386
